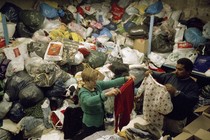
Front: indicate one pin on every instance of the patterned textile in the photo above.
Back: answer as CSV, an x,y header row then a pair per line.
x,y
157,101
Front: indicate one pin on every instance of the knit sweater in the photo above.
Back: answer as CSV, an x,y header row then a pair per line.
x,y
91,102
123,105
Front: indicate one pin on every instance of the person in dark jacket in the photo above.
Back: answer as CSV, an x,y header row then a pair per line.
x,y
184,95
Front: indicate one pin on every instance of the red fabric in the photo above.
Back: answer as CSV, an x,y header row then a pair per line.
x,y
184,44
84,51
123,105
56,120
2,42
117,11
80,11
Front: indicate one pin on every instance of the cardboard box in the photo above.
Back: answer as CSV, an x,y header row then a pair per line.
x,y
201,122
141,45
207,112
184,136
202,134
204,110
199,128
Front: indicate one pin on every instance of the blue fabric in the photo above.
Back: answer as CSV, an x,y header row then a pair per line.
x,y
48,11
194,36
154,8
106,31
202,63
128,25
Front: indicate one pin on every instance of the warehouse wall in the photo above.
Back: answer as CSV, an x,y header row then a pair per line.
x,y
199,8
23,4
28,3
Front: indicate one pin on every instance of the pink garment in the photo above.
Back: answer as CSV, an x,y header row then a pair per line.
x,y
157,101
123,105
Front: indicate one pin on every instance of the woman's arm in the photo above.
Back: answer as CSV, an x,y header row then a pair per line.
x,y
115,82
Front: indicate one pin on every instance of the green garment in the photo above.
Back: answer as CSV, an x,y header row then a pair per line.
x,y
91,102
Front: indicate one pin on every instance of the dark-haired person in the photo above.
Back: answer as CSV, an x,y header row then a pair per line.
x,y
184,95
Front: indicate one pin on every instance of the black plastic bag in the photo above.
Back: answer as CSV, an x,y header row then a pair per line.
x,y
11,12
32,19
30,95
3,67
204,49
66,16
193,22
205,92
16,113
162,44
15,83
58,89
96,59
22,31
56,102
139,30
119,69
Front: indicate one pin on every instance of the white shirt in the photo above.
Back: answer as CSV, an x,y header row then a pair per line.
x,y
157,101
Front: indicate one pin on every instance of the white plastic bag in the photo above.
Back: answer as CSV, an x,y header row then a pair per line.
x,y
13,53
132,56
40,35
115,55
74,27
10,27
51,24
179,35
78,58
52,135
156,59
206,30
14,66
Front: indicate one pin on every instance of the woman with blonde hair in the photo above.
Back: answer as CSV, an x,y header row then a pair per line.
x,y
91,98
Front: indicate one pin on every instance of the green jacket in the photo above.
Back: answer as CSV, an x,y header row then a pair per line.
x,y
91,102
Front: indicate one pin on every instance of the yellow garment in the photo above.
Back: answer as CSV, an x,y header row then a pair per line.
x,y
122,134
141,7
63,33
76,37
60,33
